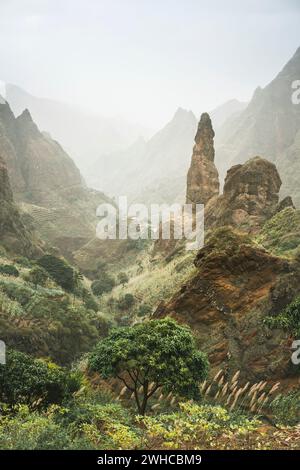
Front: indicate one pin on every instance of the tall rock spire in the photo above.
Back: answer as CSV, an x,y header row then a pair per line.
x,y
203,177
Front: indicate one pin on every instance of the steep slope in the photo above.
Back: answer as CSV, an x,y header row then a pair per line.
x,y
226,111
37,164
269,127
14,236
235,287
47,183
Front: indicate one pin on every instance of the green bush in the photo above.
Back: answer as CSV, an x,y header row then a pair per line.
x,y
34,382
286,408
18,292
126,302
288,319
91,303
9,270
103,284
23,261
144,310
37,276
123,278
27,430
60,271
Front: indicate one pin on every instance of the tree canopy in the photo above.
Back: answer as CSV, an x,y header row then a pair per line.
x,y
157,354
34,382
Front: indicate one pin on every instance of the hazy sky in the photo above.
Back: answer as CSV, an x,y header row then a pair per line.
x,y
141,59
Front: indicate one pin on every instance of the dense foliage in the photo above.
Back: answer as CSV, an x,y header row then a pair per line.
x,y
9,270
158,354
36,383
60,271
104,283
288,319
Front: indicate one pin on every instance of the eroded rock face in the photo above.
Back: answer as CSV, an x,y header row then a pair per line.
x,y
203,178
251,195
46,184
37,165
13,235
225,303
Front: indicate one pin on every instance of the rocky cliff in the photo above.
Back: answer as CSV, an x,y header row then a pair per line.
x,y
37,165
203,178
236,286
46,183
250,196
14,236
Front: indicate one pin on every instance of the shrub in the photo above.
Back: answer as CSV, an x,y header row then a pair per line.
x,y
30,431
286,408
104,284
123,278
18,292
60,271
144,310
23,261
126,302
37,276
288,319
91,303
34,382
195,424
9,270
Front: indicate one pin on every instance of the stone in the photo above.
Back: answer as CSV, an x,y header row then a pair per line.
x,y
203,178
250,197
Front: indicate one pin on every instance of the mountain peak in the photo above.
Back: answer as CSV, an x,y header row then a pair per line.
x,y
205,128
25,116
182,113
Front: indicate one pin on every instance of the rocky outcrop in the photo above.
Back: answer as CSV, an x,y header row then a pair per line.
x,y
226,301
203,178
250,197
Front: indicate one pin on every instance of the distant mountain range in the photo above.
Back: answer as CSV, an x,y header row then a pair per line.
x,y
46,184
155,171
83,135
114,158
268,127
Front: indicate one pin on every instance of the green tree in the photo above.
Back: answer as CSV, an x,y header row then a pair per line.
x,y
9,270
34,382
60,271
105,283
126,302
158,354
